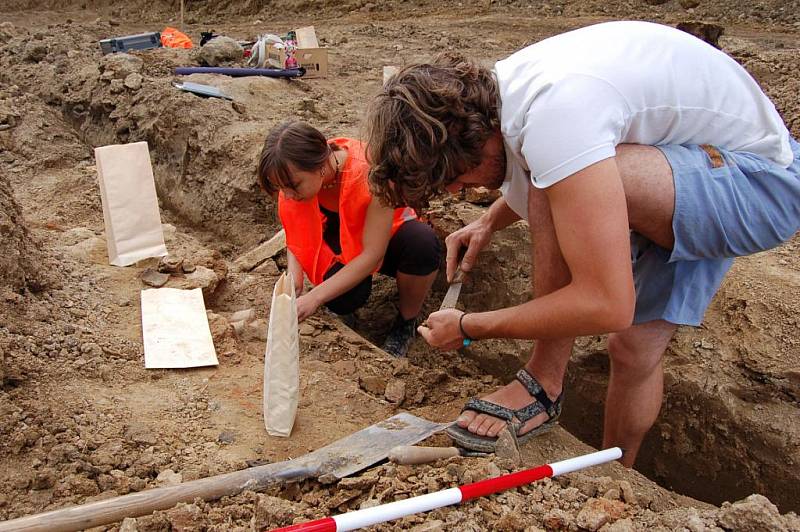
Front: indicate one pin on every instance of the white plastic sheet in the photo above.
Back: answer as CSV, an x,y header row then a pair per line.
x,y
175,329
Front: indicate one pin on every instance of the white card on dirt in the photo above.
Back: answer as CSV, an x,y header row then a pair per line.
x,y
281,361
130,204
175,329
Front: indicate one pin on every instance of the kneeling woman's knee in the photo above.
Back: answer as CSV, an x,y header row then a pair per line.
x,y
421,248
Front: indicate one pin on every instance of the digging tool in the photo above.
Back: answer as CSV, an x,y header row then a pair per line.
x,y
438,499
337,460
413,455
453,291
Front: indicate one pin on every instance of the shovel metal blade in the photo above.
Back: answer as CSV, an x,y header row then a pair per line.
x,y
371,445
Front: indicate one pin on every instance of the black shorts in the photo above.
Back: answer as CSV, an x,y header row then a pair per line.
x,y
413,250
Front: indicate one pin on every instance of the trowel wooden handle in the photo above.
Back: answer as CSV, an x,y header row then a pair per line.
x,y
411,454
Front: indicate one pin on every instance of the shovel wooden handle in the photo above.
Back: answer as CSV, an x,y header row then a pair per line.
x,y
146,502
411,454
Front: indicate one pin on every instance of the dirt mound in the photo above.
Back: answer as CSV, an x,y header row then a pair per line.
x,y
18,255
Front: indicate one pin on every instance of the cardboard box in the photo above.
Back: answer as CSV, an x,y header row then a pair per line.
x,y
308,54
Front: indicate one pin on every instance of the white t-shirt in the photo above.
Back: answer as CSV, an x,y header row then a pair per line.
x,y
568,101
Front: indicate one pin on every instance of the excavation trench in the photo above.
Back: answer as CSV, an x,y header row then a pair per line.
x,y
708,443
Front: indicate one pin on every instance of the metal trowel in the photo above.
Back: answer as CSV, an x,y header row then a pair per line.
x,y
453,291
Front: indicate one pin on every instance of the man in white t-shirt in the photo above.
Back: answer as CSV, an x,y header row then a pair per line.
x,y
622,144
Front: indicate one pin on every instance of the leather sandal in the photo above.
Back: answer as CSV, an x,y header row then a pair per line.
x,y
515,418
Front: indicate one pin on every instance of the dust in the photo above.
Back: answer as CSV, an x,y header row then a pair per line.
x,y
83,420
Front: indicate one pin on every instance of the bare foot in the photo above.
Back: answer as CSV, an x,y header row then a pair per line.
x,y
513,396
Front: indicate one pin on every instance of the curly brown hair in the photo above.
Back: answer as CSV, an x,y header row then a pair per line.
x,y
427,127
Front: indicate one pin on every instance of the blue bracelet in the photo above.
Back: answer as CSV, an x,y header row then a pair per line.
x,y
467,339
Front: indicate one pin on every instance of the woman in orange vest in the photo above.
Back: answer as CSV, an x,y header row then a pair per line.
x,y
338,235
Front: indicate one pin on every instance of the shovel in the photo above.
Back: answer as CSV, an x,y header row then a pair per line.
x,y
337,460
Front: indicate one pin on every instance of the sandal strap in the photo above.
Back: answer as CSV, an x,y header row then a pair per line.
x,y
543,404
485,407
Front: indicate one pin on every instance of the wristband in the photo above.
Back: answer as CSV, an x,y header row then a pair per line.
x,y
467,339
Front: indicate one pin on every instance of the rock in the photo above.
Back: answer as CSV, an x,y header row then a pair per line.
x,y
219,51
170,264
341,497
372,384
188,266
557,520
134,81
361,483
597,512
168,477
752,514
507,450
256,330
246,315
271,512
129,525
481,195
395,391
628,494
152,277
202,277
35,51
84,249
689,4
186,518
623,525
120,66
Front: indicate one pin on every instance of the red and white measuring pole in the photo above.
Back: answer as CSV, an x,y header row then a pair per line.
x,y
424,503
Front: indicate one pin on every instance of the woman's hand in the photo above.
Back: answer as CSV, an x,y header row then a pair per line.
x,y
441,329
306,306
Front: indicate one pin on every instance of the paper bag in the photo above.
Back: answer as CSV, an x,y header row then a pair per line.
x,y
281,364
130,205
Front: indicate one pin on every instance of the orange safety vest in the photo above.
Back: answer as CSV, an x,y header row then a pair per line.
x,y
303,220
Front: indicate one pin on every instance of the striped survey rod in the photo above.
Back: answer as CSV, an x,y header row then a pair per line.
x,y
424,503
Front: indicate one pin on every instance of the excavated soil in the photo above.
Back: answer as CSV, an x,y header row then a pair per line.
x,y
82,420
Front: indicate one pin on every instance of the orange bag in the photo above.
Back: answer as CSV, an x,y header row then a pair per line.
x,y
172,38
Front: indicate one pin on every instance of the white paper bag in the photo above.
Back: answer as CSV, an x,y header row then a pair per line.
x,y
130,205
281,364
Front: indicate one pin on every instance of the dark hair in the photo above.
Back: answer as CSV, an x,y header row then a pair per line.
x,y
428,126
295,143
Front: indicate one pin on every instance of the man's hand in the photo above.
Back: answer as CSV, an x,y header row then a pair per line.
x,y
441,329
306,306
474,237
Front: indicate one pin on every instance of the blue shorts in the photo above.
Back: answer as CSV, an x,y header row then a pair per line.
x,y
727,204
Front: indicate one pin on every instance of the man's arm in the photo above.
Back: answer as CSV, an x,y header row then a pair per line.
x,y
591,225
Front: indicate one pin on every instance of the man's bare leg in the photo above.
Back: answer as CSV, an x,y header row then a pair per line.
x,y
636,385
650,196
549,358
649,191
